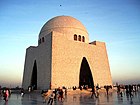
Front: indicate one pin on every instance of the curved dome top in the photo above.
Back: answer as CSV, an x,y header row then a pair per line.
x,y
66,25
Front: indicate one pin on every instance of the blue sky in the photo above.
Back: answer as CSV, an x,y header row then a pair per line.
x,y
116,22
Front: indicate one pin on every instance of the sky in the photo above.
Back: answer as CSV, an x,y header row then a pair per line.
x,y
115,22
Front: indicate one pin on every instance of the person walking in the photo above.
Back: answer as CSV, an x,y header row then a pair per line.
x,y
119,92
97,91
55,94
60,94
93,92
51,98
107,89
130,90
6,95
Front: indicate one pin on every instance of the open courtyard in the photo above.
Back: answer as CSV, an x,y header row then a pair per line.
x,y
74,97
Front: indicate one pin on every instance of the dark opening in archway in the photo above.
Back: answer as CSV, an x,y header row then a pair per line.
x,y
34,77
86,78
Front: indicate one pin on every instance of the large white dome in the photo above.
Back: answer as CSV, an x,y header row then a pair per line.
x,y
66,25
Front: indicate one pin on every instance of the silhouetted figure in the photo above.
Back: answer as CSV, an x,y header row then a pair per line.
x,y
81,87
97,91
130,90
119,92
74,87
118,89
65,91
55,94
93,92
126,88
107,88
60,95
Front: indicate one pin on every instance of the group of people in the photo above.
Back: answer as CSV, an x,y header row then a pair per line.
x,y
129,89
58,94
54,95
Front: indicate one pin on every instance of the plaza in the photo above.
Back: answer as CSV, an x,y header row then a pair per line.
x,y
75,97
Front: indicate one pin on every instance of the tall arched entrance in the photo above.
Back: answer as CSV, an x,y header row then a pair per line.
x,y
34,77
85,78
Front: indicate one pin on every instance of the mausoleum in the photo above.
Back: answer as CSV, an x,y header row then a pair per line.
x,y
65,57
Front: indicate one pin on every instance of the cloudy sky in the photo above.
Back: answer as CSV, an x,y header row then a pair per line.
x,y
116,22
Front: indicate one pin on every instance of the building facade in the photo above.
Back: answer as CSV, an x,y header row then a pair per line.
x,y
65,57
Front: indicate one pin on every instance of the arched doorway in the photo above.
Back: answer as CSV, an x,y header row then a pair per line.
x,y
34,77
85,78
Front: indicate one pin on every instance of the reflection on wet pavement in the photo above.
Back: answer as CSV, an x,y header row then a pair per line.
x,y
75,98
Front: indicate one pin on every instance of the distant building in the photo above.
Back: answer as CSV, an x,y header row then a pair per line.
x,y
64,57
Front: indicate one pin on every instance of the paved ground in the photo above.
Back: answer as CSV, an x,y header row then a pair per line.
x,y
74,98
